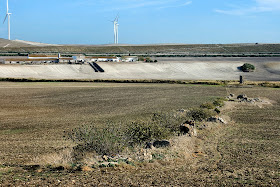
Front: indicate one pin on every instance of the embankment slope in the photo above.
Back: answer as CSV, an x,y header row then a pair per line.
x,y
167,69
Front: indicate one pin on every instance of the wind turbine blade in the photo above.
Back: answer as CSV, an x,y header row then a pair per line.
x,y
5,18
117,18
7,6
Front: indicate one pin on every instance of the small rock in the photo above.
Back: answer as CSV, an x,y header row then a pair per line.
x,y
194,133
222,120
59,168
187,127
163,143
86,168
32,167
149,145
184,129
203,126
217,120
257,100
182,110
105,157
242,97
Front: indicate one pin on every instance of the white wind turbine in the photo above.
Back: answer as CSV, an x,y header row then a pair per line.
x,y
116,30
8,15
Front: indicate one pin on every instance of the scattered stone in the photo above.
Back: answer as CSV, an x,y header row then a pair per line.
x,y
184,129
230,97
59,168
149,145
163,143
32,167
108,164
86,168
244,98
190,122
203,126
217,120
257,100
188,127
194,133
241,97
217,110
182,110
105,157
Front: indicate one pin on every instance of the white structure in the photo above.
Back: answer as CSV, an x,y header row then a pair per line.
x,y
8,15
80,58
43,56
116,30
129,58
104,59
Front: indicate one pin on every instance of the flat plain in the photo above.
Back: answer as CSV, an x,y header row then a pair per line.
x,y
34,117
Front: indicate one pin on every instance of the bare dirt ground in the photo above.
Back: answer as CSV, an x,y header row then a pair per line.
x,y
34,116
267,69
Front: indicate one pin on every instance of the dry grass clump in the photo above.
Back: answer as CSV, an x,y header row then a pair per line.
x,y
64,158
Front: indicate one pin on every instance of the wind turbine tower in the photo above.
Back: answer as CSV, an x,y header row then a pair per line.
x,y
9,24
116,30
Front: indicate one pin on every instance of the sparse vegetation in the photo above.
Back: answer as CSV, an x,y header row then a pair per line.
x,y
108,140
160,50
200,114
219,102
141,132
142,59
168,120
235,155
207,105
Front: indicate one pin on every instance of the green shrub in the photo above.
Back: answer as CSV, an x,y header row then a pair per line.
x,y
207,105
219,102
199,114
141,58
140,132
247,67
104,141
170,121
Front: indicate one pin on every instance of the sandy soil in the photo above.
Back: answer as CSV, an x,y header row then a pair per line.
x,y
267,69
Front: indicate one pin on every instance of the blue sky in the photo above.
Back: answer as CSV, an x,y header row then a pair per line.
x,y
143,21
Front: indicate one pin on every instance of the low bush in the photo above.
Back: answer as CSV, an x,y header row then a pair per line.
x,y
200,114
104,141
207,105
219,102
141,132
247,67
169,121
141,58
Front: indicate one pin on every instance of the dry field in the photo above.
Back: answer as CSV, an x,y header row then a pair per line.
x,y
34,117
16,46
